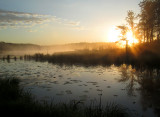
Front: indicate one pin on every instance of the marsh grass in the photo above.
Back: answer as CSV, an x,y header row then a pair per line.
x,y
140,54
83,57
15,102
110,110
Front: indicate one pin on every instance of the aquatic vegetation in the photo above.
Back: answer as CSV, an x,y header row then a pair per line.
x,y
130,82
13,100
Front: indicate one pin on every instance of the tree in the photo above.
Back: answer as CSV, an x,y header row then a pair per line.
x,y
124,30
143,22
123,37
131,16
148,19
138,33
157,15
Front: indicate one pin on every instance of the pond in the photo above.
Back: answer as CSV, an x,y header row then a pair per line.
x,y
137,89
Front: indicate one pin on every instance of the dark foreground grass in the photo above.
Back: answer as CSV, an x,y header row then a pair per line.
x,y
15,102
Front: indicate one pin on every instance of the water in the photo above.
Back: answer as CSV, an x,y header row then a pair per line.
x,y
136,89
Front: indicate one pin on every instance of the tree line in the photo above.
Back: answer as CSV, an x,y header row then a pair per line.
x,y
145,26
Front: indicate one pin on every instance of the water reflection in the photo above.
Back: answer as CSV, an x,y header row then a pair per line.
x,y
137,86
144,80
150,89
128,76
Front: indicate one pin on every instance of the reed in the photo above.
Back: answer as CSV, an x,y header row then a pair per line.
x,y
144,54
14,101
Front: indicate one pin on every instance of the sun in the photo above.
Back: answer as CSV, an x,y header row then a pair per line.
x,y
114,36
130,38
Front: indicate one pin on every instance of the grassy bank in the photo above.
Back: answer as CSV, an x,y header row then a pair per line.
x,y
14,101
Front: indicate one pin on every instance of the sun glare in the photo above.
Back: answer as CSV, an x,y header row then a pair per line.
x,y
114,36
130,38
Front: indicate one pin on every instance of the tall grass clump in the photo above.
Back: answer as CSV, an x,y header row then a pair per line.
x,y
110,110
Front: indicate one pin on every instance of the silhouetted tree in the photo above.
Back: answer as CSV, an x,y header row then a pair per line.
x,y
149,22
131,16
157,16
123,37
124,30
138,33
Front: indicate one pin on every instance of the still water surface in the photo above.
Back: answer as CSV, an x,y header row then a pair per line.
x,y
136,89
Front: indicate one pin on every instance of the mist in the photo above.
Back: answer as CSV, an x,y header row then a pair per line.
x,y
15,49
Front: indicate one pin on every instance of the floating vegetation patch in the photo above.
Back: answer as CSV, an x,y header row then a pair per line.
x,y
86,91
68,91
76,81
93,83
67,82
99,90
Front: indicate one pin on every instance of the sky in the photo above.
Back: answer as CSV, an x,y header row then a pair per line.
x,y
49,22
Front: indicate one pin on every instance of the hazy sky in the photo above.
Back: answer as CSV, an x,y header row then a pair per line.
x,y
48,22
